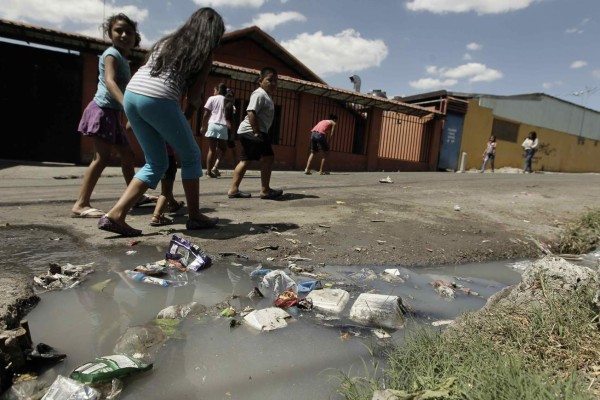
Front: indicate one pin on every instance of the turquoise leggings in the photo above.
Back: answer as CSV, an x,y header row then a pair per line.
x,y
154,122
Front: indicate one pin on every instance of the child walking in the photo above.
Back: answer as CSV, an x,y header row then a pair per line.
x,y
229,117
489,154
101,118
318,138
178,64
255,139
214,124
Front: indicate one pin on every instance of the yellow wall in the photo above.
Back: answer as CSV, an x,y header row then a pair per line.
x,y
558,151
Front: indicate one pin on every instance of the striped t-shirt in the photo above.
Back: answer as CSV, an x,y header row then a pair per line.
x,y
154,86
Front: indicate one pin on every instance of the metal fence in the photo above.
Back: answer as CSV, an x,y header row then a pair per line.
x,y
405,137
350,135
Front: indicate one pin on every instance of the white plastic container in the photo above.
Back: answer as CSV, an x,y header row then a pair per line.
x,y
329,300
267,319
377,310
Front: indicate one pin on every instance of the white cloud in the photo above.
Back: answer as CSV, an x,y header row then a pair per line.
x,y
230,3
269,21
474,46
58,12
578,64
432,83
474,72
459,6
467,57
444,77
346,51
579,28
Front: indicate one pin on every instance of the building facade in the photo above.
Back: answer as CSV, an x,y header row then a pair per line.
x,y
57,82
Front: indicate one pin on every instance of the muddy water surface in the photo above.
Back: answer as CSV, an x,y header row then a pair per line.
x,y
211,360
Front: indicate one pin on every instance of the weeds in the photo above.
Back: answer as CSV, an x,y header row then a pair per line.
x,y
582,236
539,352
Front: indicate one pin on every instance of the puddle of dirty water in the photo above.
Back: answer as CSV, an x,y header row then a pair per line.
x,y
213,360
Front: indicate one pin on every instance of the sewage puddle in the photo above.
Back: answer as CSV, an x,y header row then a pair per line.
x,y
211,360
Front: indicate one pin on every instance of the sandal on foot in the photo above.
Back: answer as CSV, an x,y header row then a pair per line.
x,y
160,220
193,224
175,206
273,194
216,172
109,225
239,195
307,173
88,213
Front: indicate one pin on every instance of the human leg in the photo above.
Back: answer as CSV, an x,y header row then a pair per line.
x,y
308,162
211,156
323,160
221,151
485,161
321,141
236,180
172,125
90,178
492,158
127,161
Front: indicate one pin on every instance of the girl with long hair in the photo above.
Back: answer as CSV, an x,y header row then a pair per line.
x,y
177,65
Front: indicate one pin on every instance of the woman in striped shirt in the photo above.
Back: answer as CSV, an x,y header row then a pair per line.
x,y
178,65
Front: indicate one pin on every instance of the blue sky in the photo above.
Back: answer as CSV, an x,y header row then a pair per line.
x,y
402,47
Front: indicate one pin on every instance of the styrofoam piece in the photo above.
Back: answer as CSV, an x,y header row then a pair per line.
x,y
378,310
267,319
329,300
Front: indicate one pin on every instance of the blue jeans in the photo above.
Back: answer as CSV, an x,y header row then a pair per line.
x,y
528,157
488,157
154,122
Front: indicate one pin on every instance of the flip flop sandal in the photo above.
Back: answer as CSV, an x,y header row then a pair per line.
x,y
145,199
193,224
88,213
105,224
160,220
239,195
273,194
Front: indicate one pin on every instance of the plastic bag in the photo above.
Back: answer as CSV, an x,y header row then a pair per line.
x,y
104,369
69,389
181,251
280,282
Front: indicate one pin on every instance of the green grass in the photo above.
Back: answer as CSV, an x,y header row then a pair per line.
x,y
582,236
542,352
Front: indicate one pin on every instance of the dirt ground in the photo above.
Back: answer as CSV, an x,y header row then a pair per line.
x,y
421,218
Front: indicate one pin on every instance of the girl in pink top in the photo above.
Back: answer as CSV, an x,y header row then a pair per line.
x,y
318,138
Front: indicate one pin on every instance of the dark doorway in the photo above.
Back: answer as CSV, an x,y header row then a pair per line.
x,y
40,99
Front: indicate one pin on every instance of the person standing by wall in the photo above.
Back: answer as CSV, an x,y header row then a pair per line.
x,y
178,64
530,146
489,153
255,138
101,119
318,138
